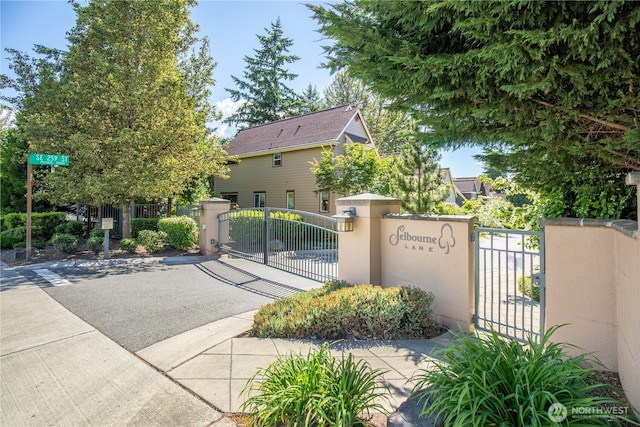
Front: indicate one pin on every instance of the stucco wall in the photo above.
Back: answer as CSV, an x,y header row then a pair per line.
x,y
434,253
593,284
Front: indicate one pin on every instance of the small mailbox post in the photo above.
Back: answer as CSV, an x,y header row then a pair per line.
x,y
107,224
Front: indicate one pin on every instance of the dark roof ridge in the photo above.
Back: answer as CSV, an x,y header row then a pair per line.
x,y
301,115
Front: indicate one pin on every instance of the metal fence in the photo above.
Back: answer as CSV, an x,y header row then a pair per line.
x,y
91,214
299,242
509,282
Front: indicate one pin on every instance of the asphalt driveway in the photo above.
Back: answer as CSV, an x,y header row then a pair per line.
x,y
137,305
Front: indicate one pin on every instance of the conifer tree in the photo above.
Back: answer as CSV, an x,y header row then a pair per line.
x,y
310,100
550,89
417,180
264,82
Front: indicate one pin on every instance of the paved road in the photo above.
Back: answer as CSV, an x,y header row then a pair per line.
x,y
138,305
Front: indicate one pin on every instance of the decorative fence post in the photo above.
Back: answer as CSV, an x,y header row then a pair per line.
x,y
208,224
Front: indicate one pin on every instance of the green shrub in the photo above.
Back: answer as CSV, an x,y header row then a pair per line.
x,y
67,243
182,231
7,240
77,228
38,243
139,224
152,241
339,310
128,245
14,220
530,289
490,380
48,221
316,390
246,225
95,244
96,232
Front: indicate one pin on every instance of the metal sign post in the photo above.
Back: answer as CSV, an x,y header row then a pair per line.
x,y
39,159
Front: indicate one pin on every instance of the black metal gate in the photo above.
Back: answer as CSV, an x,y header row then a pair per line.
x,y
299,242
510,282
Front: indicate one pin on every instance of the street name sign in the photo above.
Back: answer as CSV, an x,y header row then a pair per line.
x,y
49,159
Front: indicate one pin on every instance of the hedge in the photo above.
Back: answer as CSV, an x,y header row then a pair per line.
x,y
139,224
182,232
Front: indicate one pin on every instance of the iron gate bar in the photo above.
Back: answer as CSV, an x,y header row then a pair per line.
x,y
498,303
299,242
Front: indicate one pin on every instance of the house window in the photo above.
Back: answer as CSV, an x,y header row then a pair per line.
x,y
277,159
232,197
291,200
259,199
324,201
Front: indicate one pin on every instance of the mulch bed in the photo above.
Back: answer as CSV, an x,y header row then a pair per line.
x,y
16,257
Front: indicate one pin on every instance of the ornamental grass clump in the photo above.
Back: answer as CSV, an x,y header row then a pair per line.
x,y
340,310
314,390
489,380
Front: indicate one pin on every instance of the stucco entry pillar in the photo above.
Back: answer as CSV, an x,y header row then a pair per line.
x,y
209,238
359,251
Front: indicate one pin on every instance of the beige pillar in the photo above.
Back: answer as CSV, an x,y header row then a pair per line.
x,y
209,237
359,250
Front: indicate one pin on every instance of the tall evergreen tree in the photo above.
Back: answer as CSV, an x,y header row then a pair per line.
x,y
417,180
551,88
310,100
384,124
128,104
264,82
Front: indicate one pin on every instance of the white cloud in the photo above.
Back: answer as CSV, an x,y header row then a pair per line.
x,y
227,107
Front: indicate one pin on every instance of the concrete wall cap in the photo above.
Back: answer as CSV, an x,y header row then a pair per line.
x,y
424,217
214,200
366,196
625,226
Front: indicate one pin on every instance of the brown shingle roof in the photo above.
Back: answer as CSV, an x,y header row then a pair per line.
x,y
308,129
466,184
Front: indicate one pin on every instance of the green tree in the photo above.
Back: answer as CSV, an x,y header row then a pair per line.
x,y
358,170
309,100
264,82
384,124
128,103
551,88
417,181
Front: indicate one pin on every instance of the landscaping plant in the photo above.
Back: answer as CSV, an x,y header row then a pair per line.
x,y
67,243
181,231
139,224
314,390
489,380
152,241
340,310
95,244
128,245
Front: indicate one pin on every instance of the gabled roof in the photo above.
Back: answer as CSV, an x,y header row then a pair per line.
x,y
317,128
467,185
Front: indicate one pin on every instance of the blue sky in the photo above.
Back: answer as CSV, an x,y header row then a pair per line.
x,y
231,27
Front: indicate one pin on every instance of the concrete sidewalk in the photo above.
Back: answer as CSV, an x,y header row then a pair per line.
x,y
55,369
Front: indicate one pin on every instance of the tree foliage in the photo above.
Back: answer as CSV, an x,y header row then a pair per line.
x,y
128,103
417,180
310,100
549,88
358,170
385,125
264,82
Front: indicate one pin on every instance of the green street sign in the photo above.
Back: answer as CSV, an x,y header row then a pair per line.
x,y
49,159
